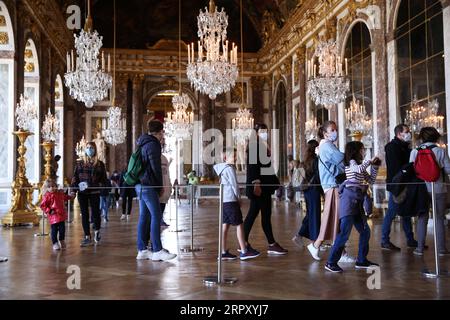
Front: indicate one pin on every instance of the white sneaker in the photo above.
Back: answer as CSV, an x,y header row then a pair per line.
x,y
346,258
314,251
56,246
163,255
144,255
123,217
298,240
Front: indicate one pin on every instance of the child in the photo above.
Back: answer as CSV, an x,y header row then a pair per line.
x,y
53,206
105,199
232,214
351,212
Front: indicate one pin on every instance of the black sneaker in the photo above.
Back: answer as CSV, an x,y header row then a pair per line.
x,y
390,246
97,236
86,241
365,265
412,244
228,256
333,268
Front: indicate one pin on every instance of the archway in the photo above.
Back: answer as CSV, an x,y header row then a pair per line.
x,y
7,104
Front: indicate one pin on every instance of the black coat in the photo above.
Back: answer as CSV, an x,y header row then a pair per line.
x,y
260,169
126,190
397,155
412,196
151,160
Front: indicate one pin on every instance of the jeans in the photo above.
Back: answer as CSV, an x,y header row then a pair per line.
x,y
264,204
92,200
311,223
60,228
346,224
104,205
422,223
389,217
147,239
163,207
149,214
127,203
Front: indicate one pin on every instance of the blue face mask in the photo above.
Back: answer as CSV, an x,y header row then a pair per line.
x,y
90,152
332,136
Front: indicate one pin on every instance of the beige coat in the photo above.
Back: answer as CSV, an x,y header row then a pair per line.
x,y
167,190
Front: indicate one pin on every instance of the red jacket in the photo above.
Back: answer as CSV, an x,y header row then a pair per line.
x,y
55,201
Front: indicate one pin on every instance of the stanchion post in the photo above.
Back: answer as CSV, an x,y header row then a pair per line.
x,y
191,248
42,234
68,212
176,210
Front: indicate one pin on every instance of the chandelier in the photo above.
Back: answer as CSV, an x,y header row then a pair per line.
x,y
26,114
115,132
215,69
311,129
85,81
419,116
328,85
242,125
50,127
357,120
179,124
80,147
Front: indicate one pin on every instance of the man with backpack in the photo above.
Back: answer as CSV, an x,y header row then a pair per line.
x,y
148,191
431,164
397,155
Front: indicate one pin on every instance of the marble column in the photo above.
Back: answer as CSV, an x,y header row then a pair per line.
x,y
137,112
120,152
302,114
258,98
446,24
289,108
205,114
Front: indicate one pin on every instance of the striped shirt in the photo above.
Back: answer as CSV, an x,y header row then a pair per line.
x,y
357,173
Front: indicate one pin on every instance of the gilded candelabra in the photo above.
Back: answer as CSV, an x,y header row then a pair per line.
x,y
22,210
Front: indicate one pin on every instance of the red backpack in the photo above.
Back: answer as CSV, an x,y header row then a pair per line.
x,y
426,165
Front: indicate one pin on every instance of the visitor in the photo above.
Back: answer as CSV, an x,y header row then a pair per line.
x,y
167,187
351,212
89,176
397,155
261,184
52,205
115,182
430,137
105,199
127,193
312,192
148,191
232,215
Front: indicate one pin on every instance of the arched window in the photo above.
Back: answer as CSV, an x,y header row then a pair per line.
x,y
59,113
7,103
420,54
31,90
358,53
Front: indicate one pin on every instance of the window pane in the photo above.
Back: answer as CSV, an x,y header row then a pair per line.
x,y
419,80
417,20
404,92
435,38
433,7
402,17
367,72
415,7
436,74
403,52
4,134
418,44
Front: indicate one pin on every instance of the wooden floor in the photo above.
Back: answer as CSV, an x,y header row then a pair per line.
x,y
110,270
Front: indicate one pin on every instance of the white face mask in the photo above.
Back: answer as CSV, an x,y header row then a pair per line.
x,y
406,136
332,136
263,136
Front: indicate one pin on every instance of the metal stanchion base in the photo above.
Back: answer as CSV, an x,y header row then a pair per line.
x,y
212,280
41,234
189,249
177,230
427,273
3,259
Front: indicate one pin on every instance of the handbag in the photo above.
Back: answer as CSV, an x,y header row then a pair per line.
x,y
340,178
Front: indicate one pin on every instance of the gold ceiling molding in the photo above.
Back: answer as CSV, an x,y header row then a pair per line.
x,y
29,67
352,14
28,53
4,38
2,21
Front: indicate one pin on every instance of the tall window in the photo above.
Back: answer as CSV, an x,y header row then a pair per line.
x,y
59,113
7,153
420,54
31,90
359,56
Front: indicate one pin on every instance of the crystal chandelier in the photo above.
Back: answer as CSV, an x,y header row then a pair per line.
x,y
311,128
328,85
26,114
50,127
214,71
85,81
419,116
179,124
116,131
242,125
357,120
80,147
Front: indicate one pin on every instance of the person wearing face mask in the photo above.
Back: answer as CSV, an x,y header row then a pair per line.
x,y
89,176
331,164
148,191
397,155
261,184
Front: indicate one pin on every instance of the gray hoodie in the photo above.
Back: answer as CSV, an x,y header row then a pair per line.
x,y
227,175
